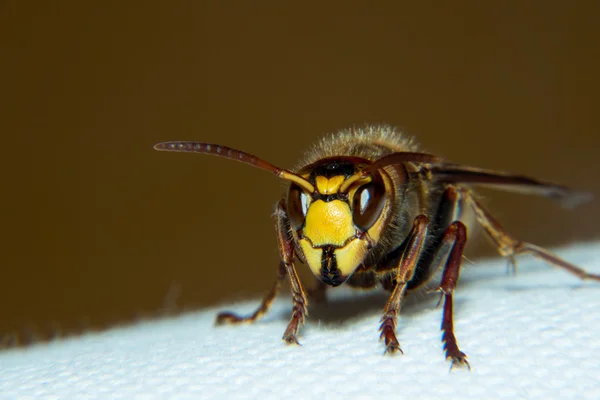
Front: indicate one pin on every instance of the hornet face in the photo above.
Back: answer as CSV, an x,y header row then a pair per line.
x,y
341,220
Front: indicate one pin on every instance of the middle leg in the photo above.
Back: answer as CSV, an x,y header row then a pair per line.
x,y
402,275
453,242
446,249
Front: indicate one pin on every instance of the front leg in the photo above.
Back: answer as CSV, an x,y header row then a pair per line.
x,y
401,276
286,268
227,317
285,242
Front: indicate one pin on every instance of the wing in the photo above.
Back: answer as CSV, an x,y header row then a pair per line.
x,y
452,173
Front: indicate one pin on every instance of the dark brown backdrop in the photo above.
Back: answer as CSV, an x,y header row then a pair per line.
x,y
98,228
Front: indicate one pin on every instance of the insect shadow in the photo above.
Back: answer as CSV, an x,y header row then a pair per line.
x,y
342,309
348,305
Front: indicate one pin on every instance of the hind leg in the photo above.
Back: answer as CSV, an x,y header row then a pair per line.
x,y
510,247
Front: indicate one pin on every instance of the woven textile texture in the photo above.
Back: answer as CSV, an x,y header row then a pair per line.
x,y
533,335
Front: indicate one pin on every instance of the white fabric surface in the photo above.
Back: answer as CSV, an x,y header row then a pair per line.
x,y
536,335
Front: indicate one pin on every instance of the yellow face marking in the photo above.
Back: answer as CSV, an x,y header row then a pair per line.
x,y
329,223
351,256
329,186
348,257
312,255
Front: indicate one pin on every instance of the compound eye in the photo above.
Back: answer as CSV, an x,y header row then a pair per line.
x,y
297,206
367,204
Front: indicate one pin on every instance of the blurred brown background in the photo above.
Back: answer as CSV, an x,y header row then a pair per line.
x,y
97,228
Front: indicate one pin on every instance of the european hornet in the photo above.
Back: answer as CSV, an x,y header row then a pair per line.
x,y
366,208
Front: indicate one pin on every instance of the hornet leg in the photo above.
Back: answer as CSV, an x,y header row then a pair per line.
x,y
511,247
401,276
286,268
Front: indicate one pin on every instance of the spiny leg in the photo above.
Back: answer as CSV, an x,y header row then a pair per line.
x,y
286,249
509,247
227,317
286,268
300,305
450,209
454,240
446,250
506,244
403,274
